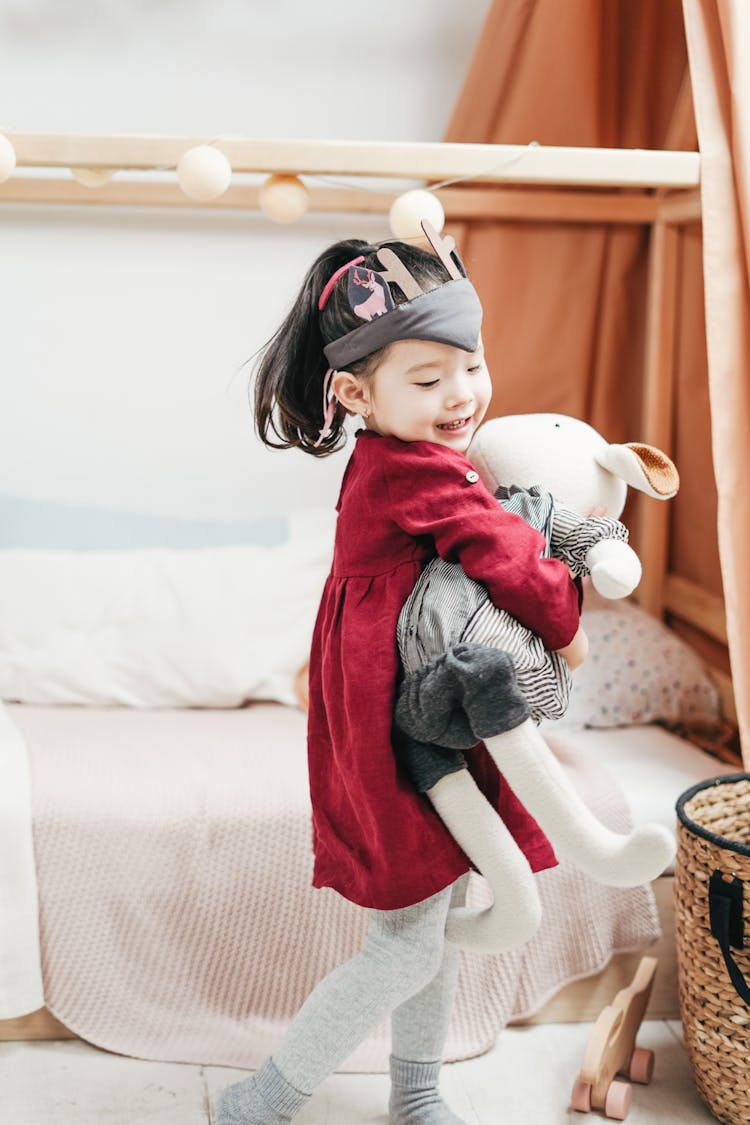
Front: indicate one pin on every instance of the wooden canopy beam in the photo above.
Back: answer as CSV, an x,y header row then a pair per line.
x,y
540,164
490,202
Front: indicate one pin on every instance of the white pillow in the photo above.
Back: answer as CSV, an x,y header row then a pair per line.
x,y
637,671
162,628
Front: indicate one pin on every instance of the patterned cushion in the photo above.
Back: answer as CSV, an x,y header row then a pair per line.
x,y
637,671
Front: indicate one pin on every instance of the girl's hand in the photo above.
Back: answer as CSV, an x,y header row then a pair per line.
x,y
575,653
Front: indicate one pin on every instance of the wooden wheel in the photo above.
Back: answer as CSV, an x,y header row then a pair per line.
x,y
580,1097
619,1096
641,1067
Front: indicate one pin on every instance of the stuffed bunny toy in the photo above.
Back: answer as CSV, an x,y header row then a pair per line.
x,y
473,673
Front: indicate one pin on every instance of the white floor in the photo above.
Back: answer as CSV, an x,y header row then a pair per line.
x,y
525,1080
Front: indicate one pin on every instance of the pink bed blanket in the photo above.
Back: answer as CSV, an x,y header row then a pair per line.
x,y
177,919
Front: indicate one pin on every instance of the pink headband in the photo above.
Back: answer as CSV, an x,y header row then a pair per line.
x,y
323,300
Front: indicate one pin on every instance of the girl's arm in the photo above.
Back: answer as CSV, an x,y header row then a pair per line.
x,y
576,652
434,491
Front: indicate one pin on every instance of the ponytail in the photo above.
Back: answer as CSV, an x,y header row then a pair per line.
x,y
290,371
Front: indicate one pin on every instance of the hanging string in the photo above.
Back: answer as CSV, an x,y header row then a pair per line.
x,y
493,169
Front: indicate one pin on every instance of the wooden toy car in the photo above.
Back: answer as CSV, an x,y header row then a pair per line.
x,y
611,1050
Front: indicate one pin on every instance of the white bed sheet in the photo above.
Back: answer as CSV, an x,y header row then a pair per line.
x,y
21,988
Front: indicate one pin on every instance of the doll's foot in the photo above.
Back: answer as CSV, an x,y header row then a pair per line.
x,y
540,783
624,861
500,927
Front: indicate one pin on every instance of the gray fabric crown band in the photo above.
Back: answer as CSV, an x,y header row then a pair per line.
x,y
450,314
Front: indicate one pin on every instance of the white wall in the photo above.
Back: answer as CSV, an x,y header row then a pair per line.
x,y
125,331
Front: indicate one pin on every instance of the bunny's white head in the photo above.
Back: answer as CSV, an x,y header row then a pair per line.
x,y
570,459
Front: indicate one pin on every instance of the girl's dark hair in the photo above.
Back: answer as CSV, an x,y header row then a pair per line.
x,y
290,370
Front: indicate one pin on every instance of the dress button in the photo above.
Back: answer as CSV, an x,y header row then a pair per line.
x,y
472,477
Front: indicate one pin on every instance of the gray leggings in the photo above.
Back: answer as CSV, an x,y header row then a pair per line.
x,y
404,968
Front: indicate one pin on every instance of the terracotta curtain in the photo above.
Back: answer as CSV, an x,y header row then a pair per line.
x,y
565,303
718,38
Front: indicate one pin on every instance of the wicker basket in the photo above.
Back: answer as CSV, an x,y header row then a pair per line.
x,y
712,872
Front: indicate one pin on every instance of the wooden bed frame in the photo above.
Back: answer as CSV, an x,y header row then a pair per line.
x,y
659,189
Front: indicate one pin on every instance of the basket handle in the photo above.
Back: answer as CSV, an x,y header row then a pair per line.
x,y
725,910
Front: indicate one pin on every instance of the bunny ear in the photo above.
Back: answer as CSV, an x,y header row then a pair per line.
x,y
642,467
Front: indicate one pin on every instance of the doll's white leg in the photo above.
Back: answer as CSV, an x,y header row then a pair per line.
x,y
516,911
539,782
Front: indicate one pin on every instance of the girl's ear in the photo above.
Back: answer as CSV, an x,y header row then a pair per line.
x,y
351,391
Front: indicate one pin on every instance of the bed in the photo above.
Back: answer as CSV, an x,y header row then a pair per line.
x,y
180,923
171,924
170,824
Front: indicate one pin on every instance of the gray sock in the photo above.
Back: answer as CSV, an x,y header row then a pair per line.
x,y
265,1098
415,1099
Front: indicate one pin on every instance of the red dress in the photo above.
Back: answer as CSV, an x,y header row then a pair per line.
x,y
377,841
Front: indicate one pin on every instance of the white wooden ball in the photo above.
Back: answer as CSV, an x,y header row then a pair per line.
x,y
7,159
204,173
92,177
408,210
284,199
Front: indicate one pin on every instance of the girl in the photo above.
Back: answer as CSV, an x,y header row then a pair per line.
x,y
399,330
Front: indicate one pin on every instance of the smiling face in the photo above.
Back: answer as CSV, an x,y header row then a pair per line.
x,y
421,391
